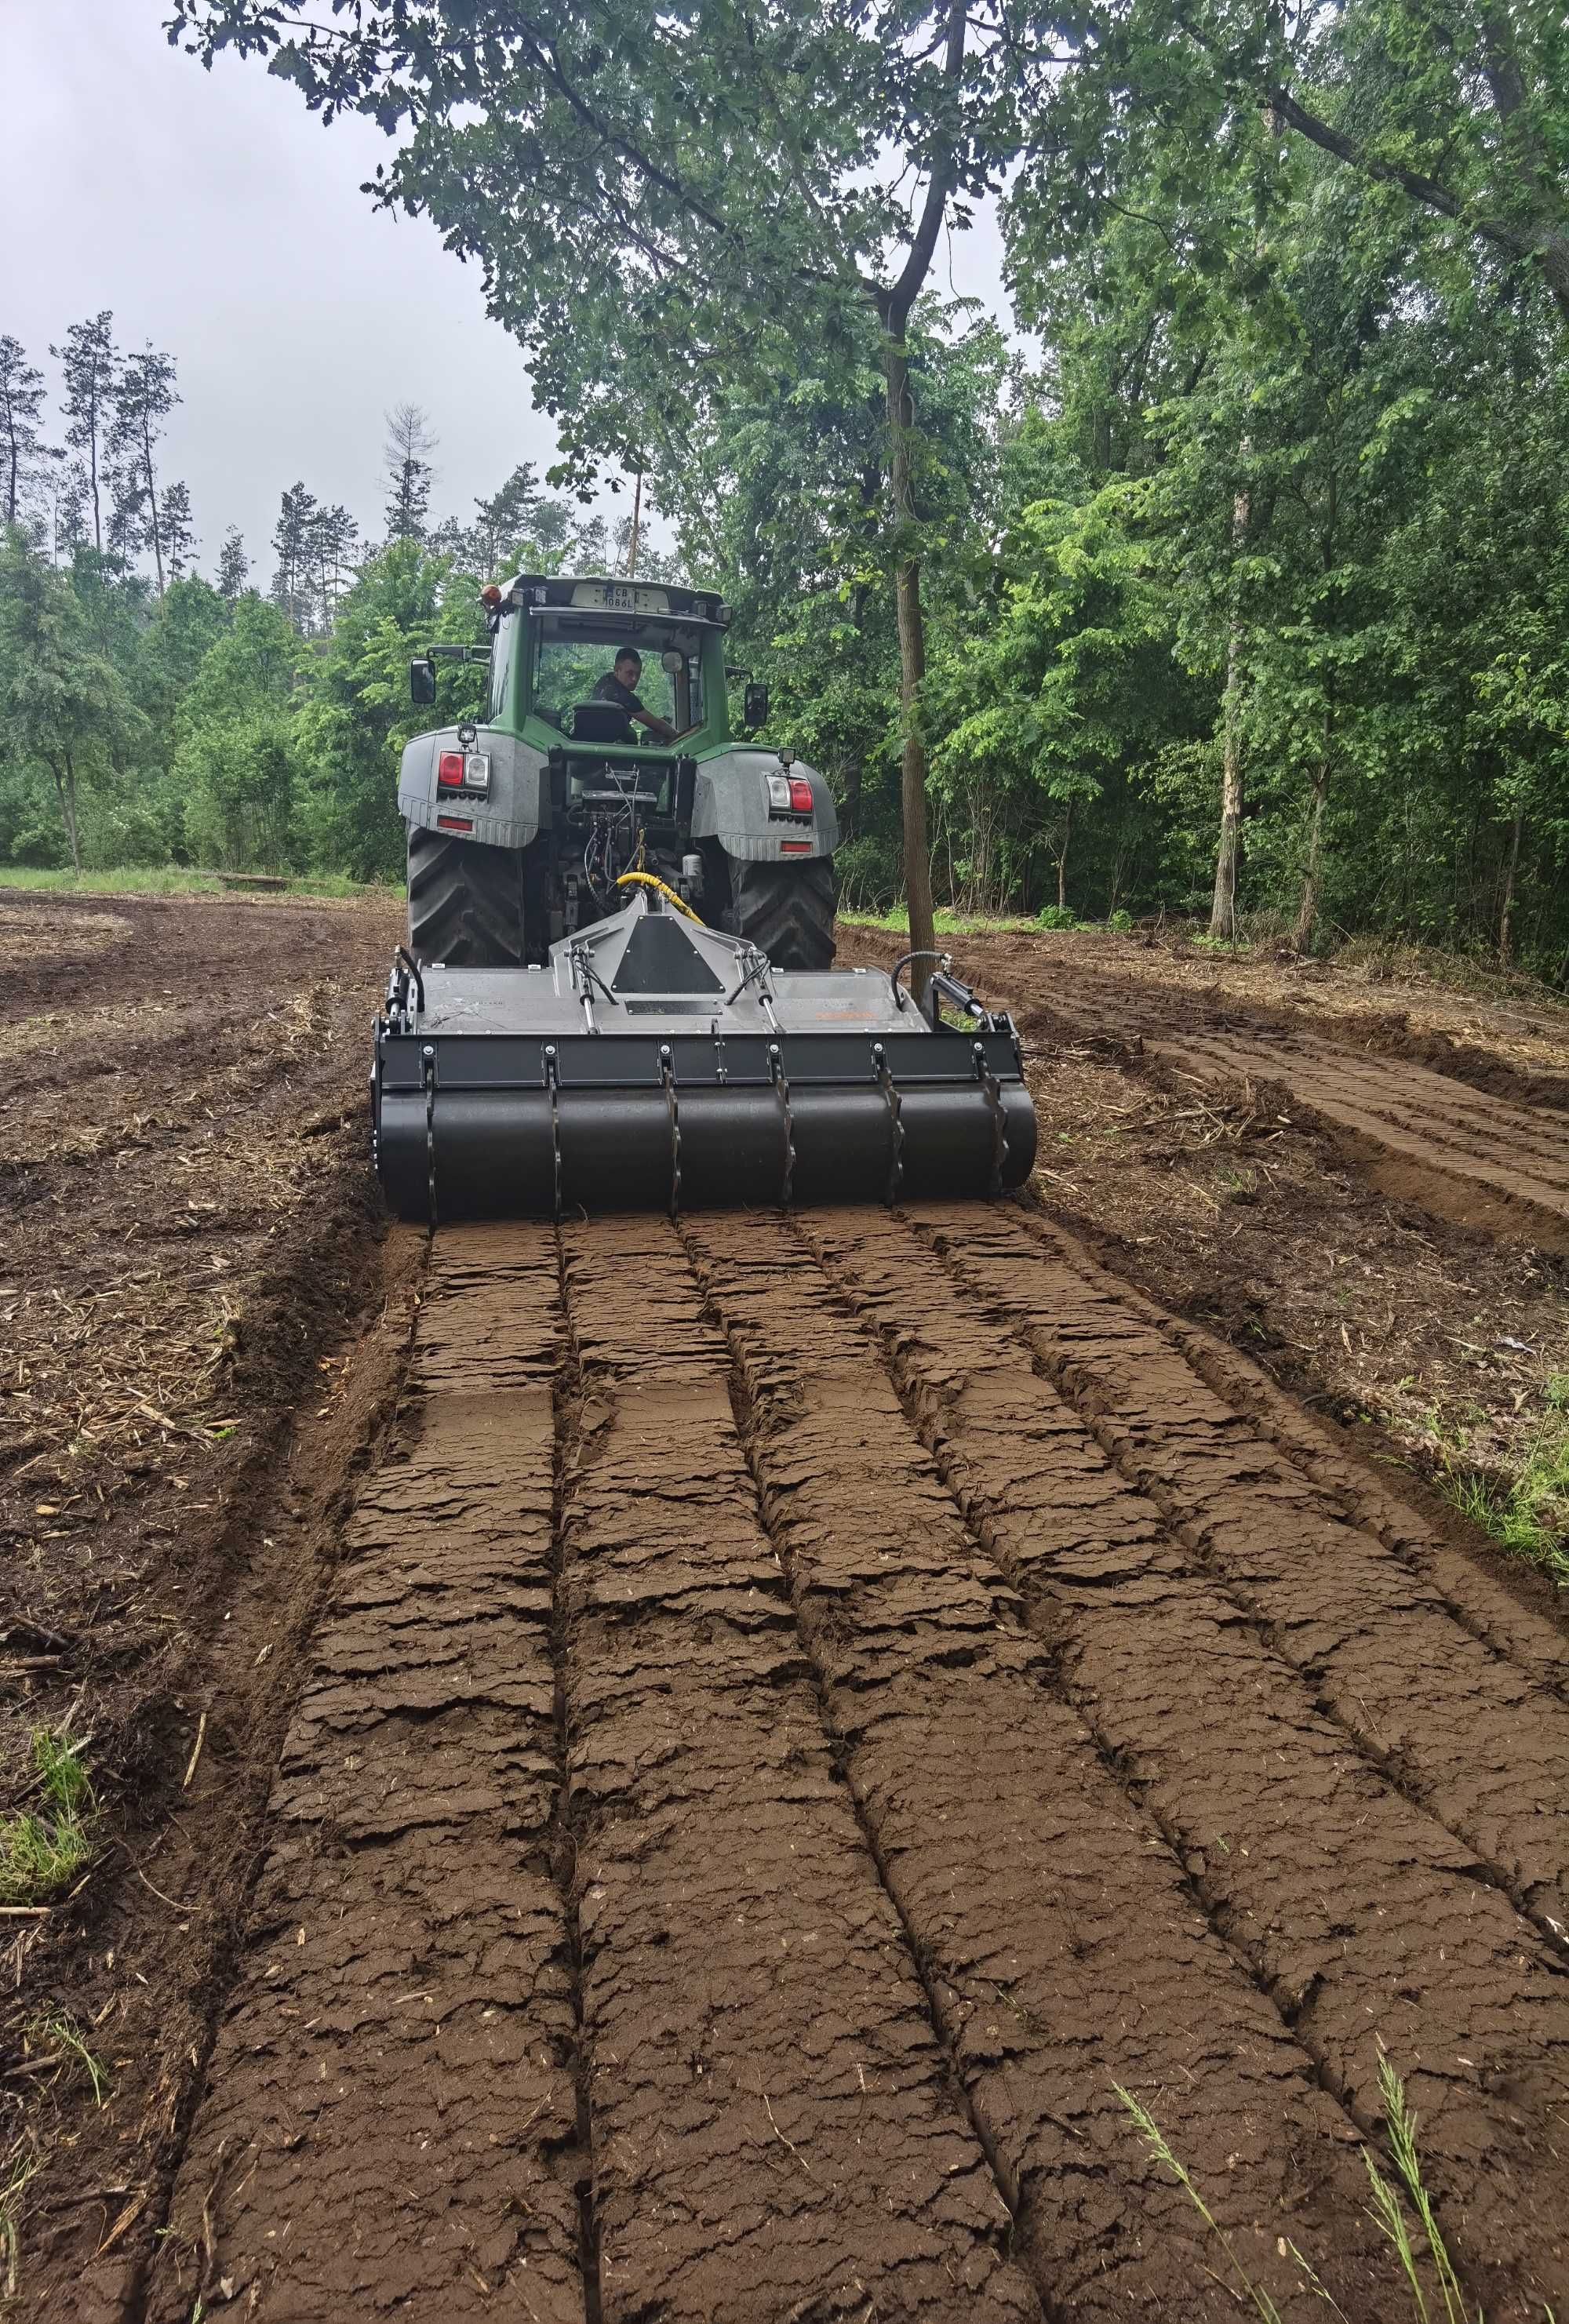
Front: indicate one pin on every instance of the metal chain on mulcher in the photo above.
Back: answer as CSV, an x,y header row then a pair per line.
x,y
667,1075
895,1124
989,1083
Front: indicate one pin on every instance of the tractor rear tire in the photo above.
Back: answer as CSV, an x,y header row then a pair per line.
x,y
786,911
466,901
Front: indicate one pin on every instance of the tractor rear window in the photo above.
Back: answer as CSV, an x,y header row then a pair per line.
x,y
572,656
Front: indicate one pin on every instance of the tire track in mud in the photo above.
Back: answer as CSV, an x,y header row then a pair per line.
x,y
1352,1908
1467,1734
775,2131
1496,1162
391,2124
1061,1939
1484,1160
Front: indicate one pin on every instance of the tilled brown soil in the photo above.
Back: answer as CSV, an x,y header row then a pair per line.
x,y
800,1713
811,1707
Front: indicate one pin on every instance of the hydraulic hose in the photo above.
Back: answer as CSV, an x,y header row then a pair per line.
x,y
647,880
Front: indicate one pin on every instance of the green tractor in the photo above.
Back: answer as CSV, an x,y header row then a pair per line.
x,y
606,748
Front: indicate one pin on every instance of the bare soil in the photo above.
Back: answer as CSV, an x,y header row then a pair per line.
x,y
669,1770
1306,1161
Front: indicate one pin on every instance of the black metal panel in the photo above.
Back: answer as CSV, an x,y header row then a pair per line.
x,y
658,958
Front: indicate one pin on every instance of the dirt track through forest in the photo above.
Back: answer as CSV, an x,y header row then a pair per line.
x,y
812,1705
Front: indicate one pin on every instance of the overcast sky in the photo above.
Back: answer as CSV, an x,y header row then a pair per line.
x,y
220,220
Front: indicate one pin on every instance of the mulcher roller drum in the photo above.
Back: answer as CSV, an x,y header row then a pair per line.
x,y
655,1063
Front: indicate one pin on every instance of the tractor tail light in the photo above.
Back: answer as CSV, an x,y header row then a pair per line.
x,y
449,771
801,795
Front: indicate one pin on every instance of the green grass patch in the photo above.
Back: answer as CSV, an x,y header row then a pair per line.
x,y
896,921
44,1847
1528,1515
174,879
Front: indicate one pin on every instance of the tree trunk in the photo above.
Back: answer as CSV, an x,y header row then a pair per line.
x,y
1068,824
637,511
918,868
152,502
1223,918
1308,910
1511,871
65,784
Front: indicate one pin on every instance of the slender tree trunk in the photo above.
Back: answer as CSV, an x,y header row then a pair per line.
x,y
152,503
93,463
11,491
65,784
1312,871
1511,873
918,868
637,511
1068,824
1223,918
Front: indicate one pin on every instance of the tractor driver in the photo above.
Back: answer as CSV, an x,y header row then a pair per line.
x,y
620,686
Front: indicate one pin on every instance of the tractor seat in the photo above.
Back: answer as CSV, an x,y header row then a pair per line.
x,y
600,721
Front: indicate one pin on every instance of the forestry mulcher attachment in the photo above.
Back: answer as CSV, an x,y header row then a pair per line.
x,y
617,993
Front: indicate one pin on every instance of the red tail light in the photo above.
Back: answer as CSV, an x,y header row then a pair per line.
x,y
801,795
795,847
449,770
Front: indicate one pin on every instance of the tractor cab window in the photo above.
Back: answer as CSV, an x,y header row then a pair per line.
x,y
500,677
572,653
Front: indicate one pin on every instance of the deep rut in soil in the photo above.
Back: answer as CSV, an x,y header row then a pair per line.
x,y
808,1709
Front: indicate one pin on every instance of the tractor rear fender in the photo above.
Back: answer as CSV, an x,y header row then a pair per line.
x,y
732,806
507,814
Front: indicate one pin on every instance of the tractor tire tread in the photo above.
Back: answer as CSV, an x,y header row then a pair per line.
x,y
787,910
466,901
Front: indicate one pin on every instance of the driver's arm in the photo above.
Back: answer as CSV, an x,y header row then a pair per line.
x,y
656,725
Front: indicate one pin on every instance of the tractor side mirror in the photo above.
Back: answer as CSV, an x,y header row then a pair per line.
x,y
422,683
754,707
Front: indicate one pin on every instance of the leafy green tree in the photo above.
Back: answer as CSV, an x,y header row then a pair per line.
x,y
358,715
63,707
1060,692
236,758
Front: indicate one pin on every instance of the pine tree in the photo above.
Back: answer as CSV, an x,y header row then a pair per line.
x,y
504,520
144,396
234,565
408,473
179,540
91,367
21,436
332,549
291,546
